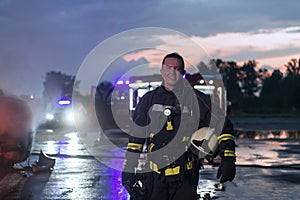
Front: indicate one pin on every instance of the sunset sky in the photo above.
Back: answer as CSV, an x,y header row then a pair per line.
x,y
39,36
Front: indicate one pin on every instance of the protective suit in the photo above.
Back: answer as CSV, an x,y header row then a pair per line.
x,y
164,123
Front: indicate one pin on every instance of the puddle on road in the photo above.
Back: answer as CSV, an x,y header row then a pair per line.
x,y
77,178
77,174
268,148
268,165
67,144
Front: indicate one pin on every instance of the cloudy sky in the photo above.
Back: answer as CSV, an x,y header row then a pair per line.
x,y
38,36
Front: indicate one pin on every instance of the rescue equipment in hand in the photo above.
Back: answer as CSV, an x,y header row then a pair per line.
x,y
204,142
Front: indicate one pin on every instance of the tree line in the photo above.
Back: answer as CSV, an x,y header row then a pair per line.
x,y
250,90
260,91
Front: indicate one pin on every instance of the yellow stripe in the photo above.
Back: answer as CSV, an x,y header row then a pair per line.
x,y
135,149
154,167
172,171
189,165
227,150
186,148
229,153
135,146
150,147
185,139
224,137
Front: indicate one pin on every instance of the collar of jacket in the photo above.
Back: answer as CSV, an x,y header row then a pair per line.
x,y
177,90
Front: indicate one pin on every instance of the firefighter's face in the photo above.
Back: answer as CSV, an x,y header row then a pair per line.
x,y
171,72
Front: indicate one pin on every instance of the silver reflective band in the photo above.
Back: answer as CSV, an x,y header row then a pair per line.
x,y
158,107
161,108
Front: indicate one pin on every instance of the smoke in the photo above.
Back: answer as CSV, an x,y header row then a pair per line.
x,y
16,134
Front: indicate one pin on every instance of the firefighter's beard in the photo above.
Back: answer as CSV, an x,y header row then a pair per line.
x,y
175,84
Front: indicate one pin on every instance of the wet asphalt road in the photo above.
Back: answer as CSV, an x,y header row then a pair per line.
x,y
268,168
77,174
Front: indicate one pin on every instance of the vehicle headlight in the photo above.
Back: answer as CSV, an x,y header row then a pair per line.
x,y
49,116
70,117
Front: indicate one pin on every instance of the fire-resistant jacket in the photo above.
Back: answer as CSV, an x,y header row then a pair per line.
x,y
165,121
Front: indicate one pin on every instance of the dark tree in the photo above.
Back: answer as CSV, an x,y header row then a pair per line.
x,y
293,67
291,85
230,71
271,93
57,85
205,68
103,105
263,74
249,79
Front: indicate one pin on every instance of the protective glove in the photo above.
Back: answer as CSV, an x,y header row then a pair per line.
x,y
128,180
226,169
134,184
129,176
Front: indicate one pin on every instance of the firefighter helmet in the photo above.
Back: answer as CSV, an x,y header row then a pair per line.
x,y
204,142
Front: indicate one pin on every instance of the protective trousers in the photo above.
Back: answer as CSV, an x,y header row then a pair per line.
x,y
175,190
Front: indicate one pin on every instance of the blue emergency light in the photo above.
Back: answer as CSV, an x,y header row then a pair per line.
x,y
64,101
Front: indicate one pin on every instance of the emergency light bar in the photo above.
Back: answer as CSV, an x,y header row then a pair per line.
x,y
64,101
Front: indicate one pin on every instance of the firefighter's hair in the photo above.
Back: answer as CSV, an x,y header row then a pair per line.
x,y
174,55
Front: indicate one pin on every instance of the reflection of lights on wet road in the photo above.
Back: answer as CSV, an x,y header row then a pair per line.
x,y
268,148
76,174
268,134
209,184
70,146
73,147
256,154
276,150
284,135
49,130
73,180
80,178
114,184
51,147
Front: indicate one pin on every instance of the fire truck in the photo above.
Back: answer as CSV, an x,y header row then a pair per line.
x,y
208,84
127,94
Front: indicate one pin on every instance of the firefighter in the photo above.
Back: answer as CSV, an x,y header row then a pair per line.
x,y
164,121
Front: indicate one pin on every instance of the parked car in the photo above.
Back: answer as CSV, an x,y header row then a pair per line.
x,y
63,115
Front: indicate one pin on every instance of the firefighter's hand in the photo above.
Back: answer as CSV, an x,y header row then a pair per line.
x,y
226,169
128,180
